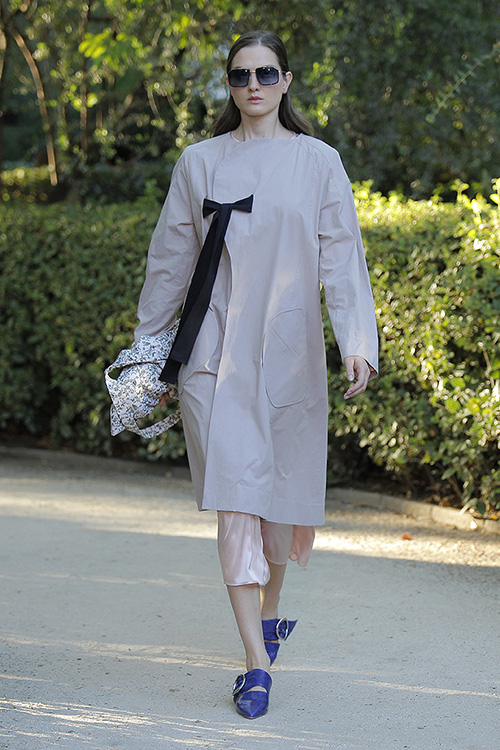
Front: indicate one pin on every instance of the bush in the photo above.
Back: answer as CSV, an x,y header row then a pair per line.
x,y
69,289
123,182
433,415
98,183
30,184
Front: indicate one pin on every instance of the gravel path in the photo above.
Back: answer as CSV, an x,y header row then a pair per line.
x,y
116,631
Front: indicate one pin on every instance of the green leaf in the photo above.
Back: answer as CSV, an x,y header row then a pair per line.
x,y
481,507
452,405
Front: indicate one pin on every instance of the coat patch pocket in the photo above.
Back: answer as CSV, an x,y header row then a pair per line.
x,y
285,358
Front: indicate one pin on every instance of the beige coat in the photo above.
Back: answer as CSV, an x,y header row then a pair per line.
x,y
262,337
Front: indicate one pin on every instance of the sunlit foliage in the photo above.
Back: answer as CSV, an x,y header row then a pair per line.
x,y
408,92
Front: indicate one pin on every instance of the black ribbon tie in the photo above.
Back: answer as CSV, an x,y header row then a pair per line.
x,y
200,289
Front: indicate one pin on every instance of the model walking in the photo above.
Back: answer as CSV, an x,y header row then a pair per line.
x,y
253,393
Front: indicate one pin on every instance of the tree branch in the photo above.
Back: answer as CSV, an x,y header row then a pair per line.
x,y
42,102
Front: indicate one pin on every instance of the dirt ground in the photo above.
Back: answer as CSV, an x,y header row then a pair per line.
x,y
116,630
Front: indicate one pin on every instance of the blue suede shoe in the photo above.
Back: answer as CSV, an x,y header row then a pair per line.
x,y
252,703
276,629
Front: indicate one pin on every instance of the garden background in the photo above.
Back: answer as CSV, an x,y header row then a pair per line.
x,y
98,99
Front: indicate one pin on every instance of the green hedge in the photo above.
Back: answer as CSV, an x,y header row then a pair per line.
x,y
68,292
98,183
433,415
70,282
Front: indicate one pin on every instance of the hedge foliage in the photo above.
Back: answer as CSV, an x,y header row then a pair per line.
x,y
99,183
68,292
69,288
434,412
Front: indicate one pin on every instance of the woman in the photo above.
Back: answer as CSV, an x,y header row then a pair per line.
x,y
253,393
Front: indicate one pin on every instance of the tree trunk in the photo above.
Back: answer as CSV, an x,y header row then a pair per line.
x,y
3,60
84,114
42,104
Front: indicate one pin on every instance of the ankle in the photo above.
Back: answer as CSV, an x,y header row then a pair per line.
x,y
261,661
269,608
269,614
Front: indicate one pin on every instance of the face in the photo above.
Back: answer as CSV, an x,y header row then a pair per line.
x,y
255,100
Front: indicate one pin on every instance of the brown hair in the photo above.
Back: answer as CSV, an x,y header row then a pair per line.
x,y
289,117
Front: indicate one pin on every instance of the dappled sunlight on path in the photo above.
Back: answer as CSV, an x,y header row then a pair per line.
x,y
117,631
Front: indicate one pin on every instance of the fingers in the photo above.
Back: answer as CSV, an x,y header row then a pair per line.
x,y
356,389
168,394
357,371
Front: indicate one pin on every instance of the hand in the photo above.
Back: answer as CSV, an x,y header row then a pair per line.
x,y
357,370
163,400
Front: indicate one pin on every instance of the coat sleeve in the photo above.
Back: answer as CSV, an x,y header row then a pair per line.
x,y
172,256
343,270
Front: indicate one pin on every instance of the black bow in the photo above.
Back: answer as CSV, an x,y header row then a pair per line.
x,y
200,289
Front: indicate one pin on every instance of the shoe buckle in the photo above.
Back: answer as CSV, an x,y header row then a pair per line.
x,y
239,683
281,634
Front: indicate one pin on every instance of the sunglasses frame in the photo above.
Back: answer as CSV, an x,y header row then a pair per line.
x,y
249,72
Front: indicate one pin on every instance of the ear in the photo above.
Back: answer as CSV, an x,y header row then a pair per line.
x,y
287,80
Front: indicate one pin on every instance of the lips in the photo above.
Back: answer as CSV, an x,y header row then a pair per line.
x,y
254,99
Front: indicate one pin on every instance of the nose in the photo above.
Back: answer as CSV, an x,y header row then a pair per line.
x,y
253,83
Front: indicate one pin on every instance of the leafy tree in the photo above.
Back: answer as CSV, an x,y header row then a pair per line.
x,y
17,25
380,88
3,66
406,90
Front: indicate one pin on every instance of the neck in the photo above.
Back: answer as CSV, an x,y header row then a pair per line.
x,y
260,127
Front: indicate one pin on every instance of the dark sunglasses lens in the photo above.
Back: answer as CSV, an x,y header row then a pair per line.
x,y
268,76
238,77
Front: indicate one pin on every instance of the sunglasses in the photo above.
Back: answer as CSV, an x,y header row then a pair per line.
x,y
266,76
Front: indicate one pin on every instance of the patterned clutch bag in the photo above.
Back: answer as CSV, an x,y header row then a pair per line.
x,y
136,391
